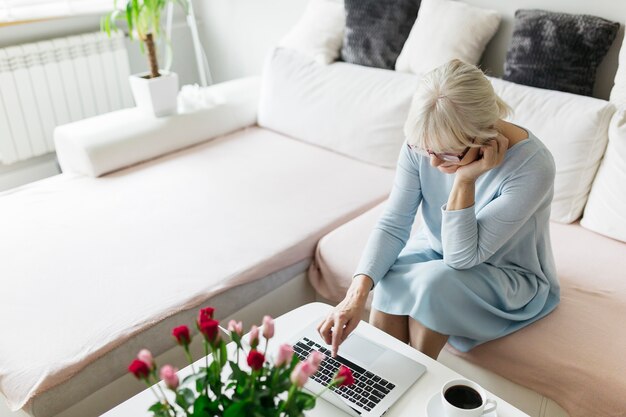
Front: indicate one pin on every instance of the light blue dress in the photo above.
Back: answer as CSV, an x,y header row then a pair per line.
x,y
474,274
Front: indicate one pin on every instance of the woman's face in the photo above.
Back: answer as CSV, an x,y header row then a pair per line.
x,y
450,167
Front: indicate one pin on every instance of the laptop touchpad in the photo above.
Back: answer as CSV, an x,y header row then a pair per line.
x,y
360,348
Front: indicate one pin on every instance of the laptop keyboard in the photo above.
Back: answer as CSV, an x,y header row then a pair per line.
x,y
368,389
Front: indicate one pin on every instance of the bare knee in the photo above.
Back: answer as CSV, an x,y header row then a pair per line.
x,y
395,325
426,340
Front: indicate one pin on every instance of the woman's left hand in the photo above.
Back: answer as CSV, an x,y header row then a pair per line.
x,y
492,155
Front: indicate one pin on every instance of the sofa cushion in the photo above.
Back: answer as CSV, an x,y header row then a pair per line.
x,y
579,345
376,31
354,110
605,211
149,241
444,30
575,130
558,51
575,354
319,32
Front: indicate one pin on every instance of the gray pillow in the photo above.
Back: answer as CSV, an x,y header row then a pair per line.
x,y
558,51
376,31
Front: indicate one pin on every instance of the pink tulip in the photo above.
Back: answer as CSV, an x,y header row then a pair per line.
x,y
235,327
268,327
315,359
168,375
254,336
285,354
301,373
145,356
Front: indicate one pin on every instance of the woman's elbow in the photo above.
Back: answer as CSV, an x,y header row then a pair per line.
x,y
455,262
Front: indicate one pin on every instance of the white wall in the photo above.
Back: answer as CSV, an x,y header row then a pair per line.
x,y
237,34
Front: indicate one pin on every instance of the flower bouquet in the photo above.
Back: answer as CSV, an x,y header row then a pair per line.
x,y
262,388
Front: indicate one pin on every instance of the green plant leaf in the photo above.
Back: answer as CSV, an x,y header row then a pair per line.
x,y
130,19
237,409
202,407
223,354
185,398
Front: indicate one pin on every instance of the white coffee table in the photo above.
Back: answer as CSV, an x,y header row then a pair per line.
x,y
413,402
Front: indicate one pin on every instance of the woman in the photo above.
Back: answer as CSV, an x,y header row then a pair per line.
x,y
481,266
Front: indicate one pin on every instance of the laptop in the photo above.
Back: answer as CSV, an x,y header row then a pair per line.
x,y
381,374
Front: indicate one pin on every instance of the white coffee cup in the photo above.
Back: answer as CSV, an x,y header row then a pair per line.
x,y
450,409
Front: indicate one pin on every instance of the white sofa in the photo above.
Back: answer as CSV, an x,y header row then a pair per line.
x,y
236,214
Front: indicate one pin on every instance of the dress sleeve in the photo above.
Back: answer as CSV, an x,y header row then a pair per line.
x,y
394,226
469,238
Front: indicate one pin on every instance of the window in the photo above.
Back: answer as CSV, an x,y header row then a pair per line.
x,y
22,10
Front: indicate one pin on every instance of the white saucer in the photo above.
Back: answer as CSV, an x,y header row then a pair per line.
x,y
435,408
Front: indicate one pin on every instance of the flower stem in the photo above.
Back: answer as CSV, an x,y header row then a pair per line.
x,y
290,396
206,359
326,388
190,359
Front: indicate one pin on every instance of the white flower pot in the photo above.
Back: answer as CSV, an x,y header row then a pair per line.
x,y
155,96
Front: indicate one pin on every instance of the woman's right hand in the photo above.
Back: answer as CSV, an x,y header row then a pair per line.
x,y
344,318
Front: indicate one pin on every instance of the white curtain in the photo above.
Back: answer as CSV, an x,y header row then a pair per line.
x,y
19,10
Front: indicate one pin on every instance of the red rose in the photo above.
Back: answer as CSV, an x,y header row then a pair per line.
x,y
205,314
181,334
344,376
140,369
209,328
255,360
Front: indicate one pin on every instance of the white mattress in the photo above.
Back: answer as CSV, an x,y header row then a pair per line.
x,y
88,263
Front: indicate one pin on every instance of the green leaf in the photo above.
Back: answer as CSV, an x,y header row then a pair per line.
x,y
157,407
185,398
130,19
237,409
202,407
223,354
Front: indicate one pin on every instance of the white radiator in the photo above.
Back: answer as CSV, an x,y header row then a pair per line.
x,y
49,83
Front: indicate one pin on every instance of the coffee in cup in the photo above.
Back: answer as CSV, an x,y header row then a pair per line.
x,y
464,398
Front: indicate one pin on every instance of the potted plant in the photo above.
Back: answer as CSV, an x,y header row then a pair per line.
x,y
154,91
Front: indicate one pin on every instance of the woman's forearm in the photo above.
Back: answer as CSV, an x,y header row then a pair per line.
x,y
462,195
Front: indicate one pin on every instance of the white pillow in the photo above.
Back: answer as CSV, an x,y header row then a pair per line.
x,y
575,130
111,141
618,93
319,32
445,30
605,212
354,110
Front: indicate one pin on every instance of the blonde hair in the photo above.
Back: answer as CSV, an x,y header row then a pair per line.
x,y
454,104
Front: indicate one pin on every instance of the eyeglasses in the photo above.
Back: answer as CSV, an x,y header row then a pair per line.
x,y
444,156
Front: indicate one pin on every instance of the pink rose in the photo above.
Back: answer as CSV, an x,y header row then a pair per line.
x,y
301,373
254,336
315,359
145,356
268,327
235,327
285,354
168,375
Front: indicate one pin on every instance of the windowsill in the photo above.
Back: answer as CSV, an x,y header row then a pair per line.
x,y
23,22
